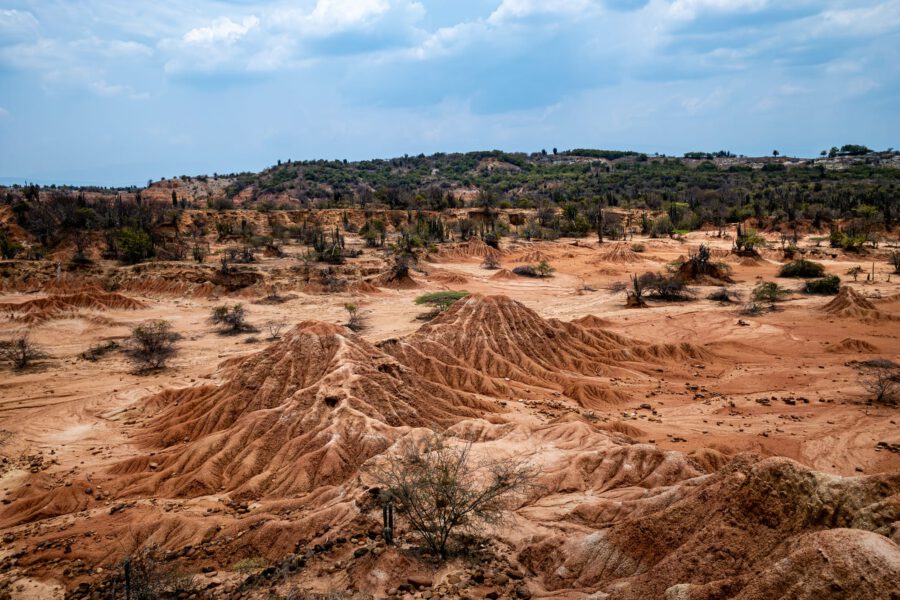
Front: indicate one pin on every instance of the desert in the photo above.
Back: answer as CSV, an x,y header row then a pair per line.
x,y
714,443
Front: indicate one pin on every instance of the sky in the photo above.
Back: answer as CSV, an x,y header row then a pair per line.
x,y
118,92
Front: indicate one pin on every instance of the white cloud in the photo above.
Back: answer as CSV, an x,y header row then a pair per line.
x,y
223,30
510,10
3,112
17,24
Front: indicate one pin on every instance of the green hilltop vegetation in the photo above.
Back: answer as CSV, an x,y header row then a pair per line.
x,y
852,193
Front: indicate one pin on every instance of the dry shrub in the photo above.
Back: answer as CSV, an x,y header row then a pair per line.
x,y
442,492
20,352
152,343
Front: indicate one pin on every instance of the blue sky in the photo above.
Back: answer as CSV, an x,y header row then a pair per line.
x,y
117,92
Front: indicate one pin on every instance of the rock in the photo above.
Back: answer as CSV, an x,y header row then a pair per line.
x,y
492,595
522,592
419,581
360,552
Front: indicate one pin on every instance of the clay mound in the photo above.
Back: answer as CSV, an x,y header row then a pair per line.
x,y
472,248
851,304
750,530
496,346
592,321
303,413
449,278
364,287
619,253
67,305
389,280
504,274
854,345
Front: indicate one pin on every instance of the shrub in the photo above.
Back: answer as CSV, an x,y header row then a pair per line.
x,y
769,292
148,578
725,296
20,352
152,343
526,271
895,261
95,353
854,271
8,248
490,262
635,296
881,378
275,327
199,254
440,491
802,268
441,300
355,322
826,285
232,320
134,245
666,286
638,248
544,269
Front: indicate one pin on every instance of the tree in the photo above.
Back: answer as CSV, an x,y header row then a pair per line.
x,y
134,245
544,269
233,319
174,199
775,153
441,491
881,379
152,343
21,352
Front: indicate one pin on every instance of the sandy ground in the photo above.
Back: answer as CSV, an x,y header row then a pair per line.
x,y
778,384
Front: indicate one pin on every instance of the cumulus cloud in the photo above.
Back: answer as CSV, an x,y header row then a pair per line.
x,y
222,30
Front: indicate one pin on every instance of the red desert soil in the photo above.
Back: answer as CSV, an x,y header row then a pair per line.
x,y
685,451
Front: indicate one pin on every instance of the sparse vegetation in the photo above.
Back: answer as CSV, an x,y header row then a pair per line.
x,y
275,327
152,344
146,576
881,379
895,261
232,319
826,286
20,352
98,351
725,296
355,320
441,301
769,292
490,262
441,491
802,268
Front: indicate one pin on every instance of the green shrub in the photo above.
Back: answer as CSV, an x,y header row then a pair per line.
x,y
442,300
134,245
769,291
802,268
826,285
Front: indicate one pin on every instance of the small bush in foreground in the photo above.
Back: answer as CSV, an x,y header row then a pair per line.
x,y
20,352
152,343
828,286
802,268
441,491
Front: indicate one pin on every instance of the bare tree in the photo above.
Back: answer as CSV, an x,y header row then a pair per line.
x,y
275,327
440,491
21,352
882,380
152,343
